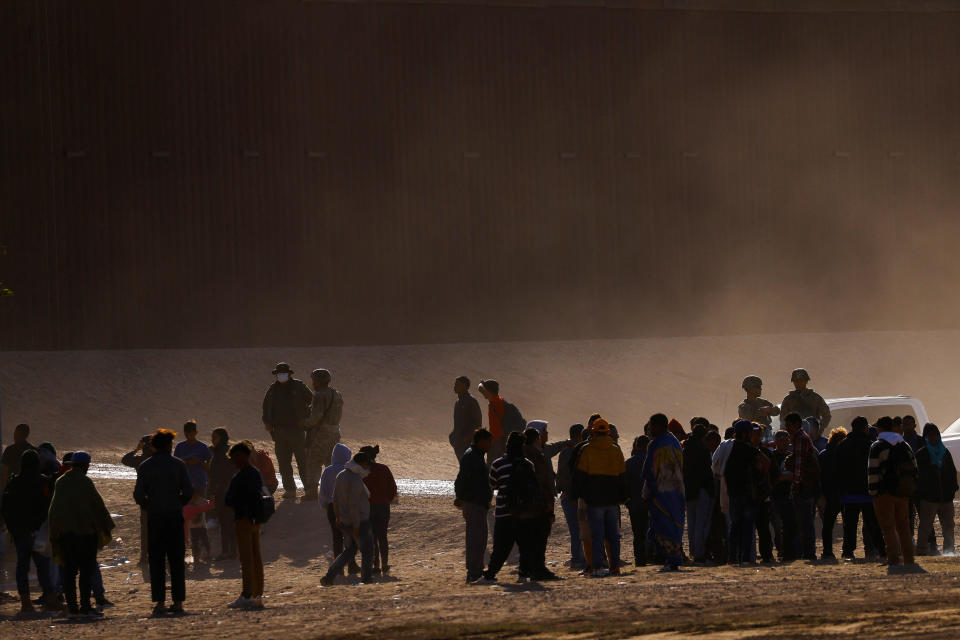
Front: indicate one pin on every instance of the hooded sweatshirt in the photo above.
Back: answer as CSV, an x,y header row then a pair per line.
x,y
601,473
351,498
26,497
340,457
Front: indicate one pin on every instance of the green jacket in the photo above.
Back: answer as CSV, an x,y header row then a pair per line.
x,y
77,507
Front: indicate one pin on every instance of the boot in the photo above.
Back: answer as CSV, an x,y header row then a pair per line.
x,y
51,602
25,605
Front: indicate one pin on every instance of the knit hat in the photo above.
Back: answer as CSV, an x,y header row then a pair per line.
x,y
539,425
751,381
80,457
799,374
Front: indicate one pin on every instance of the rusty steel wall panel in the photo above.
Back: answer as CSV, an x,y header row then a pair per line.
x,y
282,172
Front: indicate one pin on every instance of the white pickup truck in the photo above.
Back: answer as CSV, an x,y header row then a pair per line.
x,y
951,440
844,410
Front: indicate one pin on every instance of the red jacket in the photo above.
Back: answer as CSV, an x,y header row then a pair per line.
x,y
380,482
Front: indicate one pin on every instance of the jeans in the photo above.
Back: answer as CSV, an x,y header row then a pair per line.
x,y
764,538
508,531
362,541
251,562
804,505
605,527
569,506
79,557
288,444
927,511
379,523
639,524
743,514
475,519
25,552
830,513
166,545
893,514
699,514
872,538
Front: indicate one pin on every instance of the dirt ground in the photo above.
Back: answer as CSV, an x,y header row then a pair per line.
x,y
401,397
427,598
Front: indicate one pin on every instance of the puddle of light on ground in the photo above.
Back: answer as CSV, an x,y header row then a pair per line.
x,y
406,486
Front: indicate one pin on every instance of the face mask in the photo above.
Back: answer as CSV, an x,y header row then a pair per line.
x,y
283,377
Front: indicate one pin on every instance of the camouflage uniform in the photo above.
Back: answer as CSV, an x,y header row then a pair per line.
x,y
750,410
321,438
284,406
807,403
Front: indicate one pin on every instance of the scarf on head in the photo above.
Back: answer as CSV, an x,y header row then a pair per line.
x,y
936,451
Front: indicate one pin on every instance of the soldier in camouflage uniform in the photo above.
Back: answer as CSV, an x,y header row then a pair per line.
x,y
323,429
807,402
284,407
755,408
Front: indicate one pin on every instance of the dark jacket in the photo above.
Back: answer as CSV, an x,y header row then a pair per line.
x,y
780,488
222,471
741,472
829,481
576,483
472,484
937,484
135,458
286,404
697,468
634,479
245,493
545,476
467,418
26,498
851,464
163,486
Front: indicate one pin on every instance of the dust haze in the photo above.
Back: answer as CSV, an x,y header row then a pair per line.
x,y
500,174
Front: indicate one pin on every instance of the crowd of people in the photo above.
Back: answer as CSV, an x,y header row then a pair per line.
x,y
741,496
738,496
58,521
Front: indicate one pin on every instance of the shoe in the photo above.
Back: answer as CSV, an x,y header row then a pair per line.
x,y
242,603
92,613
159,610
615,571
576,566
74,612
385,571
353,567
51,602
484,580
549,576
472,579
176,607
103,603
326,581
828,557
669,568
600,573
256,602
375,571
847,557
25,605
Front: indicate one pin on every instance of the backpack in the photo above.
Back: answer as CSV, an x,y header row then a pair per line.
x,y
266,506
512,419
524,498
335,410
904,470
